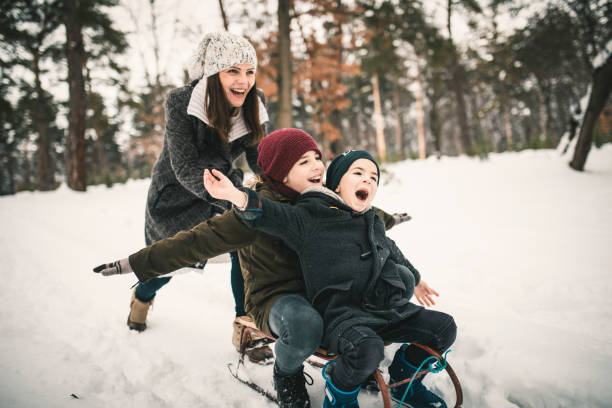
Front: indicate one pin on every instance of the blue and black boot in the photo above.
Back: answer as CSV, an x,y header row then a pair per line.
x,y
418,395
335,398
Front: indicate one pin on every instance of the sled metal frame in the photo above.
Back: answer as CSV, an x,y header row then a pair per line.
x,y
251,328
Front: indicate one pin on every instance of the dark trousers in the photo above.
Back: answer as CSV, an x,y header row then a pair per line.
x,y
146,291
299,328
362,347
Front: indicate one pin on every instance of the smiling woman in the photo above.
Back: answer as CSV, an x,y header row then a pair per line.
x,y
209,123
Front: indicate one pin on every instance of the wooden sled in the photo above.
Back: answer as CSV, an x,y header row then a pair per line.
x,y
251,328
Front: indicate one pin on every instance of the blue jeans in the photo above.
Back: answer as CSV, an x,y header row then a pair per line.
x,y
145,291
362,347
299,329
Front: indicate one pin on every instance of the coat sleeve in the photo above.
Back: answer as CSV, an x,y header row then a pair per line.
x,y
386,218
251,156
288,222
206,240
251,151
187,164
397,256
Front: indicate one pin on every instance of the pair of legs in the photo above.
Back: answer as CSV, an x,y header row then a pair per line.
x,y
145,292
362,347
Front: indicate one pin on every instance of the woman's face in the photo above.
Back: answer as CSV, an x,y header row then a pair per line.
x,y
306,172
236,82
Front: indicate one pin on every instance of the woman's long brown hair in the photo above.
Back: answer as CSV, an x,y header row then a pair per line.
x,y
219,110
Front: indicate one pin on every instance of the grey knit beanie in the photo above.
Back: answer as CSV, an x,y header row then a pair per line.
x,y
219,51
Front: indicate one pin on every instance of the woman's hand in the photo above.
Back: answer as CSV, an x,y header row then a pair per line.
x,y
219,186
424,293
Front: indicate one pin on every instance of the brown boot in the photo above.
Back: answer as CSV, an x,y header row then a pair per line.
x,y
259,354
137,319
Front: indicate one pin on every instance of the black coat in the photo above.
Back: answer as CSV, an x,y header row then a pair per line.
x,y
354,274
177,199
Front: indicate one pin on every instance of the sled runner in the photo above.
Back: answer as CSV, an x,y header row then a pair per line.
x,y
322,354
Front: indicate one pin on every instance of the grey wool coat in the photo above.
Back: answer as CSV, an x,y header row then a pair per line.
x,y
177,199
353,273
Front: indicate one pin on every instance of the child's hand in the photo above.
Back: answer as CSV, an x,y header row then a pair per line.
x,y
219,186
424,293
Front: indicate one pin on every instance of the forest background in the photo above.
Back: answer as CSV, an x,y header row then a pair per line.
x,y
83,82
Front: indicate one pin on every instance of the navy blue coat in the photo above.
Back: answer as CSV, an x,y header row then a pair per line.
x,y
354,274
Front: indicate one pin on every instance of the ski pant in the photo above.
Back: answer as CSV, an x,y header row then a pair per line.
x,y
299,331
146,291
362,347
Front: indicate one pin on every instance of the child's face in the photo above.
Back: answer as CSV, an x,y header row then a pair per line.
x,y
359,184
306,172
237,81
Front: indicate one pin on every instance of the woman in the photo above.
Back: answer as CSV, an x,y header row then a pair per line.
x,y
274,285
209,123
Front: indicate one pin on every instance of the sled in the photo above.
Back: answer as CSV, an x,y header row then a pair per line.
x,y
322,354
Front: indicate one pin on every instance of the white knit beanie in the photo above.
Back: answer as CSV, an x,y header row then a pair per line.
x,y
219,51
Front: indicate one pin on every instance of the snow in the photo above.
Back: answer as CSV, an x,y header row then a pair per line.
x,y
517,245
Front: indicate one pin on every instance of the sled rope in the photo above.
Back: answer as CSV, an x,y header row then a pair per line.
x,y
435,367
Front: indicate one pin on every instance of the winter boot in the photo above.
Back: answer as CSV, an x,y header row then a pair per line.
x,y
370,385
291,389
335,398
418,395
137,319
260,354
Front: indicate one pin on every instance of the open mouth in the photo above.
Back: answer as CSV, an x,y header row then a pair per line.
x,y
238,92
362,194
315,180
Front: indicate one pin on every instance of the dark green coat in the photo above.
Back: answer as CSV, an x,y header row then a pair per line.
x,y
354,274
270,269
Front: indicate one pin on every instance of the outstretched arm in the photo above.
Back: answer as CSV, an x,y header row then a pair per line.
x,y
219,186
279,219
206,240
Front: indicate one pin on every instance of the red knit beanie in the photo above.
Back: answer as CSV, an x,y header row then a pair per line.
x,y
278,152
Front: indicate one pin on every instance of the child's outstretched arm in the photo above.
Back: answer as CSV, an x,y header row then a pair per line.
x,y
279,219
219,186
206,240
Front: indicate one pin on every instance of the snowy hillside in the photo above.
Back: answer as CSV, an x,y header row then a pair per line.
x,y
518,247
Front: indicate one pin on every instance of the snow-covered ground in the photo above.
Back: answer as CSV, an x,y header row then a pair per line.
x,y
518,246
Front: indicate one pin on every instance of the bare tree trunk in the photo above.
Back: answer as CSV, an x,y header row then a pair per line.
x,y
46,178
285,100
507,127
542,115
75,55
100,152
600,91
399,139
457,81
420,117
223,16
381,146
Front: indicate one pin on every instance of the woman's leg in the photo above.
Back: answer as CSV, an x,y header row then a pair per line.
x,y
299,328
145,291
237,282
